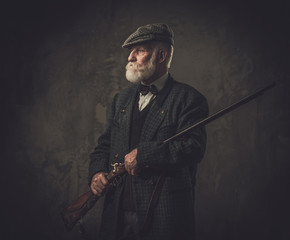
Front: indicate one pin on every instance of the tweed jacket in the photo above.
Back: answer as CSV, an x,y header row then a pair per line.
x,y
176,107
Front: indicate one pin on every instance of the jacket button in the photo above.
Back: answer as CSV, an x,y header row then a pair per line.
x,y
116,155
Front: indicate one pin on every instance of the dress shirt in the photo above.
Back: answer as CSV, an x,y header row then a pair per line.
x,y
144,100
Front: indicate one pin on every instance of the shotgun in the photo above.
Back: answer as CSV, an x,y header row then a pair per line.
x,y
73,212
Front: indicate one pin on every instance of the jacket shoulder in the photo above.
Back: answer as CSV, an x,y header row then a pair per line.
x,y
127,91
186,92
125,95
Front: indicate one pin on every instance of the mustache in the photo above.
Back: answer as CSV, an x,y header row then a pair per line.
x,y
134,66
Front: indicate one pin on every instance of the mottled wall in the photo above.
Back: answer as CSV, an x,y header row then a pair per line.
x,y
62,63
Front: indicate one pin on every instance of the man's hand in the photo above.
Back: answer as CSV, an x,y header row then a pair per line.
x,y
99,183
131,162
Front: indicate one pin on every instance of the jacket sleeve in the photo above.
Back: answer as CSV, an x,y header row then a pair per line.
x,y
184,151
99,158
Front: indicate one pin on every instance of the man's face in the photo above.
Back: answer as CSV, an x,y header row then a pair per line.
x,y
142,63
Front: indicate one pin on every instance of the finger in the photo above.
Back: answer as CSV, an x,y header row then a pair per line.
x,y
97,187
134,172
93,190
100,185
98,190
104,180
125,160
127,167
128,158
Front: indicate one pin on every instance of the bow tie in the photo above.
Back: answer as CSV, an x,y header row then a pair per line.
x,y
143,89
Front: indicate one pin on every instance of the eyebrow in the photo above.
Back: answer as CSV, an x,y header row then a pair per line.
x,y
140,47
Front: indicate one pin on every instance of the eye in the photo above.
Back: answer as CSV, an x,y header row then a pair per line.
x,y
141,50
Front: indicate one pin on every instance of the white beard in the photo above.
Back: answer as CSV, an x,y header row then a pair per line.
x,y
136,73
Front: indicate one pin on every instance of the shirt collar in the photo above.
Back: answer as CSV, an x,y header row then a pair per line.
x,y
160,82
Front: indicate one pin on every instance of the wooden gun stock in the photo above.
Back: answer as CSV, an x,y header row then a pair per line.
x,y
72,213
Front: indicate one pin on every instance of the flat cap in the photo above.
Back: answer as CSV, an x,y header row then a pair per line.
x,y
150,32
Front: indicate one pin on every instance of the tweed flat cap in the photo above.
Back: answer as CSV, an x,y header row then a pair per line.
x,y
150,32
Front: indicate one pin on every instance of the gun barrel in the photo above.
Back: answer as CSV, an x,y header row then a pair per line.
x,y
222,112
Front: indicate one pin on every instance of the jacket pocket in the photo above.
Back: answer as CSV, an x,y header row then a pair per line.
x,y
119,117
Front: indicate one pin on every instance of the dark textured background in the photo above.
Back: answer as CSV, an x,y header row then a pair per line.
x,y
61,64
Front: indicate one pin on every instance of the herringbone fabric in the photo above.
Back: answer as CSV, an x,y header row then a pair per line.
x,y
150,32
176,107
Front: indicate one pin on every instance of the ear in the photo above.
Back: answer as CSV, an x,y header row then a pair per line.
x,y
162,56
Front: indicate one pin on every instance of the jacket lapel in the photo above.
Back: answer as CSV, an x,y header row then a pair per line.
x,y
156,113
125,116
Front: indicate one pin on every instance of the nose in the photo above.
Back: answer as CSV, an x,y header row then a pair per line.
x,y
132,57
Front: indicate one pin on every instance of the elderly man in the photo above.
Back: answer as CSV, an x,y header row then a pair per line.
x,y
156,197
